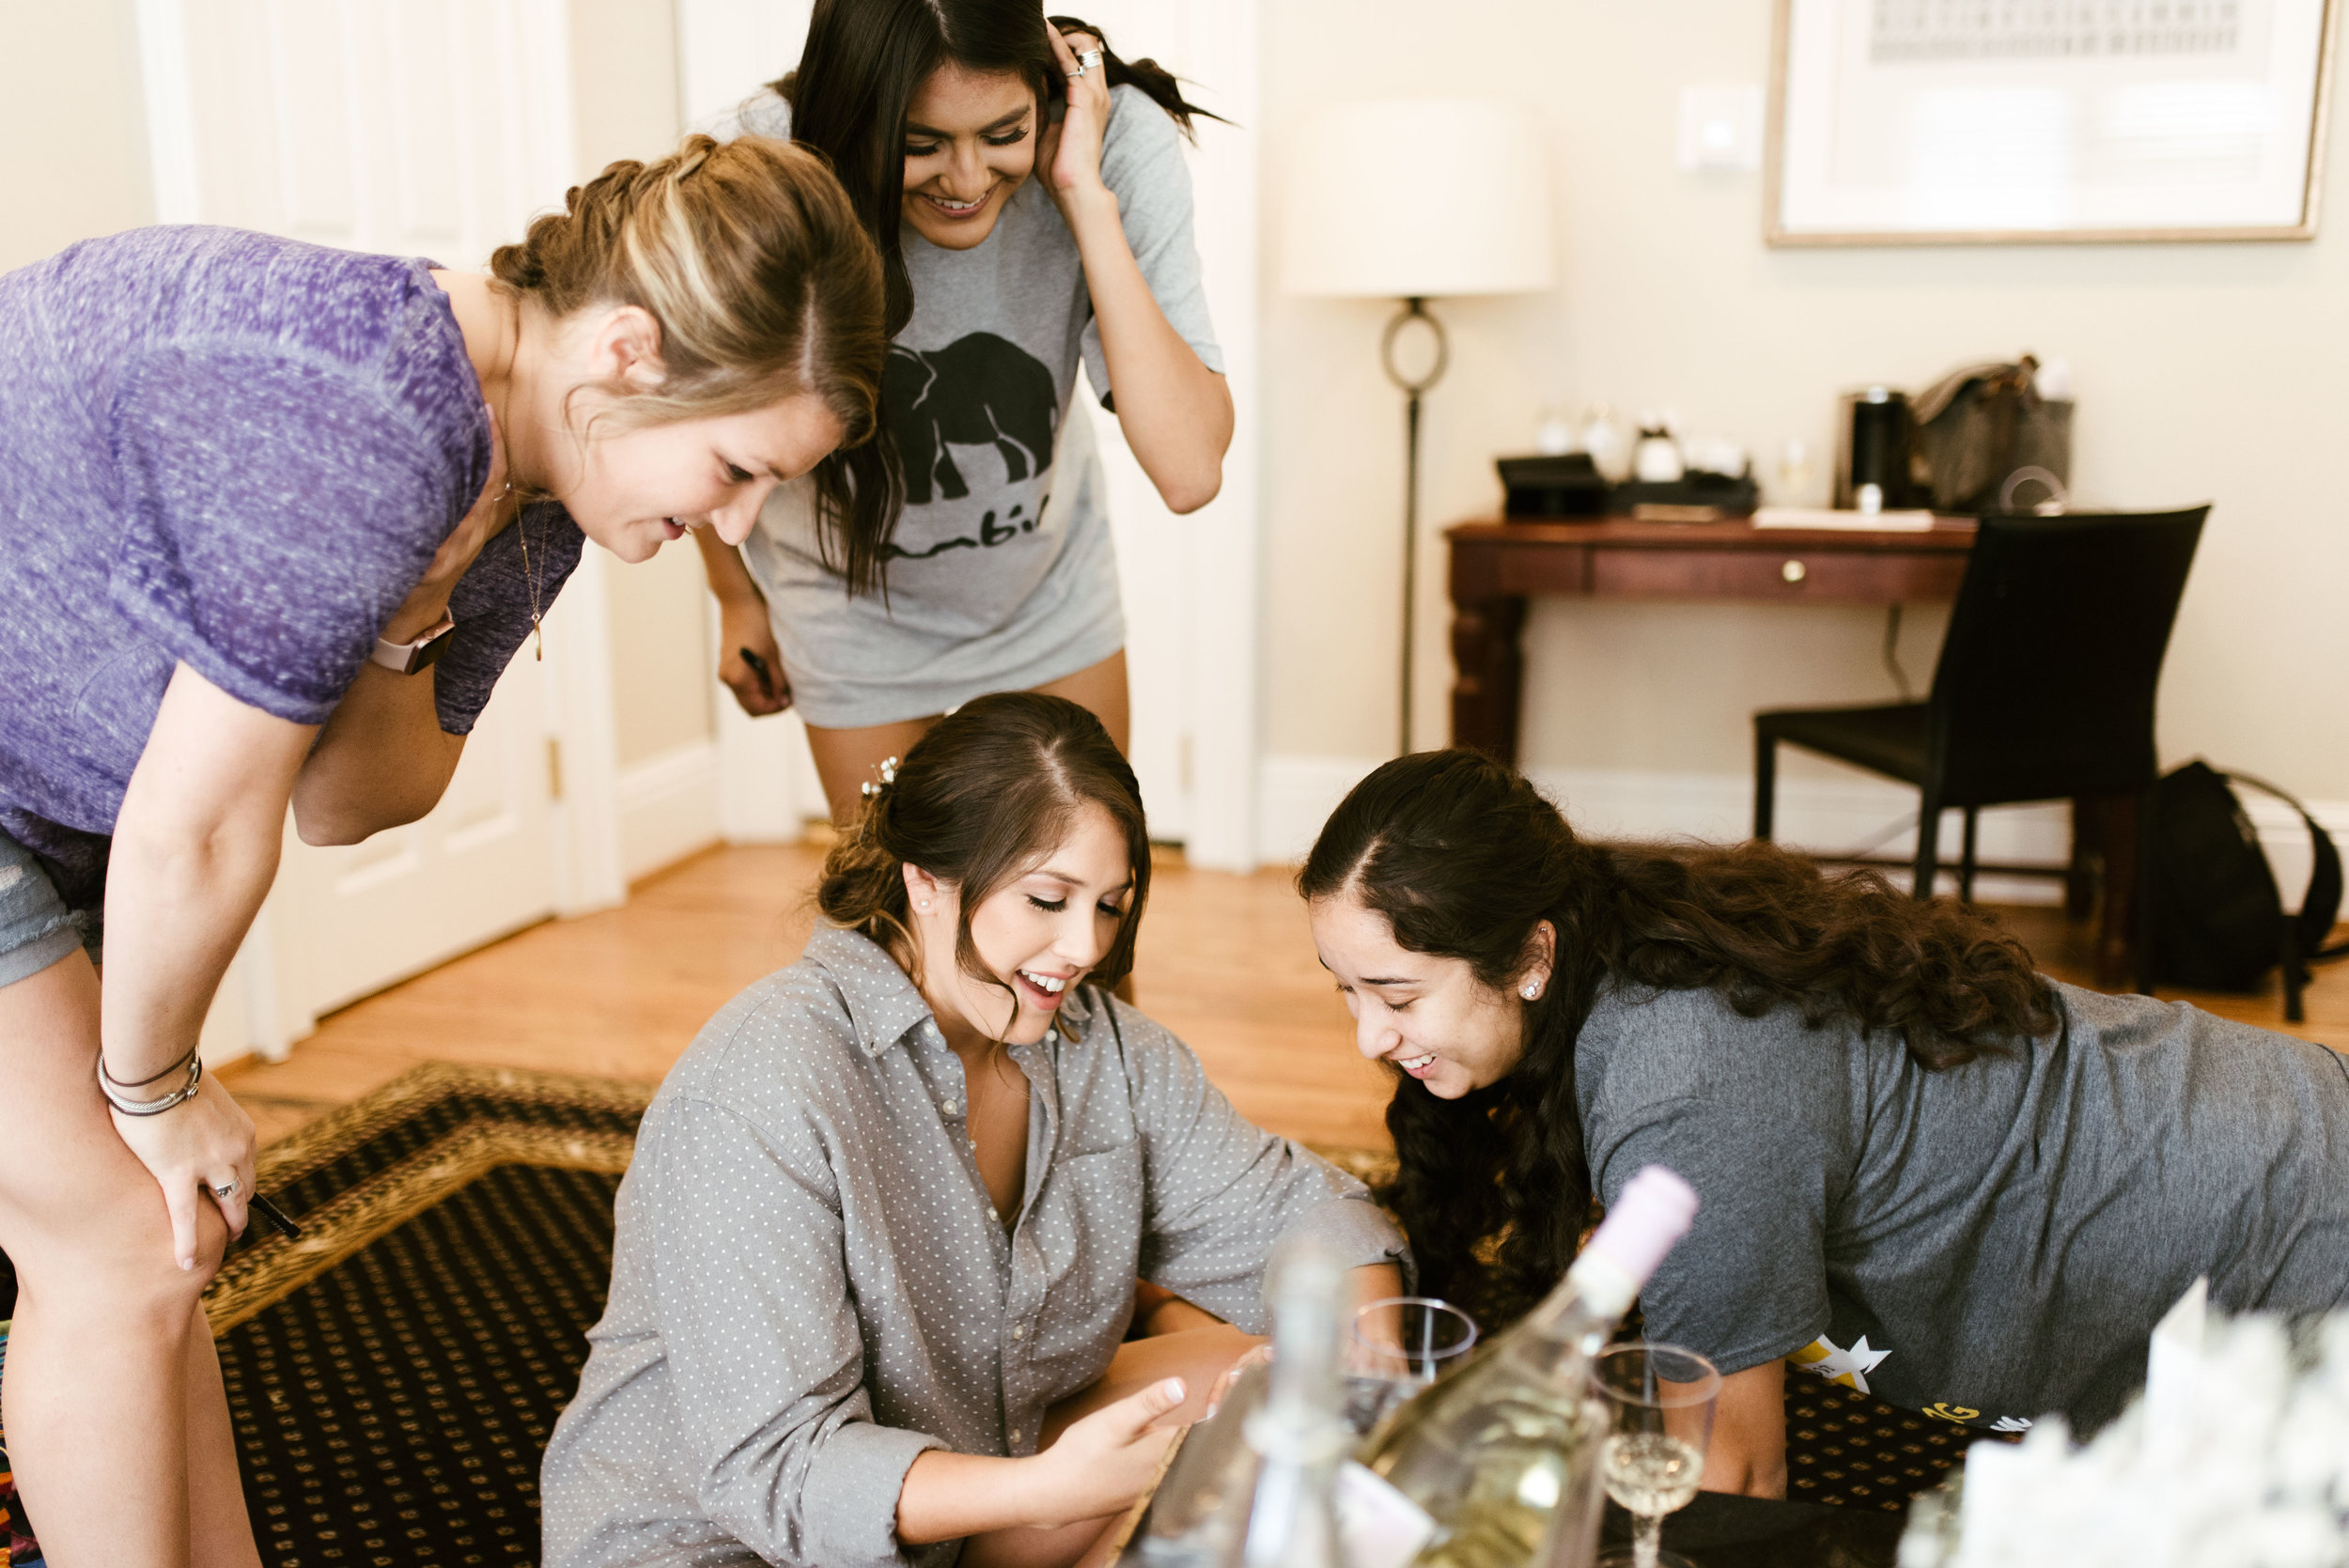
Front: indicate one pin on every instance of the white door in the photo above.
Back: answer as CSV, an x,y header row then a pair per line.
x,y
1189,584
431,128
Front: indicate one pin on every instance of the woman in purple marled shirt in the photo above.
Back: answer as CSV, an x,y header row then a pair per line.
x,y
274,519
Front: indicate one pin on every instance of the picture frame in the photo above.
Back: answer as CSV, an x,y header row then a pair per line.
x,y
1944,122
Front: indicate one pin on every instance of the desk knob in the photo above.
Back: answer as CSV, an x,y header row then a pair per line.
x,y
1794,572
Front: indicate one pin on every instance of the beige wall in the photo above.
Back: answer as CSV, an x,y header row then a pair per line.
x,y
71,120
623,82
2202,371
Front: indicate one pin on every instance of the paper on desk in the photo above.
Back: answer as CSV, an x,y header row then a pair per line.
x,y
1819,517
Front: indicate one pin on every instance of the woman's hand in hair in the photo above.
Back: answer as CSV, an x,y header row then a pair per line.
x,y
1069,154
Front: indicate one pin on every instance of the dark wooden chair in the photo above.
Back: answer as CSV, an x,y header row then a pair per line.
x,y
2045,689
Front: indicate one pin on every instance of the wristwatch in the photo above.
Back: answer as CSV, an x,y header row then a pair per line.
x,y
406,658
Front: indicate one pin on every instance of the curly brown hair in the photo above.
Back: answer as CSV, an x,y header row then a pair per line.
x,y
1465,858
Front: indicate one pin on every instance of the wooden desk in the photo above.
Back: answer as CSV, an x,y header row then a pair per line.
x,y
1497,566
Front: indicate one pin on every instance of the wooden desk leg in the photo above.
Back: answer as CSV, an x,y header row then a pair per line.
x,y
2079,878
1489,665
2116,817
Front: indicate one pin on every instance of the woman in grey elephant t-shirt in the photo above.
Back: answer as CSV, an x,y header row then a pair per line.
x,y
1927,1172
1028,193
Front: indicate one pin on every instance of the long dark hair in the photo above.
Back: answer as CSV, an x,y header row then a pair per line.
x,y
990,787
1465,858
863,62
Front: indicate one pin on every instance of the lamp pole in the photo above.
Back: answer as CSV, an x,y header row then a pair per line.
x,y
1414,309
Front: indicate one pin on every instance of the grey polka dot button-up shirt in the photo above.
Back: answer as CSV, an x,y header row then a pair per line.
x,y
809,1287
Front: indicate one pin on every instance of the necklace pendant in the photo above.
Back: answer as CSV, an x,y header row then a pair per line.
x,y
538,638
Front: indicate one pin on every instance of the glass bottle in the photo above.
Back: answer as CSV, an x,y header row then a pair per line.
x,y
1506,1452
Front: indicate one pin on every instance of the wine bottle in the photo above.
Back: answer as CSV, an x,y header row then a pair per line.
x,y
1299,1432
1252,1487
1507,1451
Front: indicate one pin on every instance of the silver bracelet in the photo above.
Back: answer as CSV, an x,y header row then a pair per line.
x,y
129,1107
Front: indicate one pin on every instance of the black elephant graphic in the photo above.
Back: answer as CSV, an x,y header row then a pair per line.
x,y
977,391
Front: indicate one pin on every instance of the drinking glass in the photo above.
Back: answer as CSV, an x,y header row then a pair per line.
x,y
1660,1399
1399,1346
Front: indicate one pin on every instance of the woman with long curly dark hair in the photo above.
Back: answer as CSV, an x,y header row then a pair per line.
x,y
1928,1173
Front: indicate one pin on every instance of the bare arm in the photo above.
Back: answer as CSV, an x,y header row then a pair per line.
x,y
1098,1466
195,847
1748,1452
742,623
383,761
1176,414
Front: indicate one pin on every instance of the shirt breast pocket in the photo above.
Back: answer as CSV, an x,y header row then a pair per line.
x,y
1088,1232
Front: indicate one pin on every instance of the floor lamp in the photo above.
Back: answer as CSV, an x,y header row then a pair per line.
x,y
1416,199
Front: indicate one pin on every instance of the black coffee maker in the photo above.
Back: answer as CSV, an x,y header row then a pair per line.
x,y
1875,443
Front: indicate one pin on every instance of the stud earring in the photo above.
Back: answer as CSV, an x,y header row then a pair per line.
x,y
1533,990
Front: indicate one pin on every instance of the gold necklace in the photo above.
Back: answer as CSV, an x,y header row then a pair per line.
x,y
522,533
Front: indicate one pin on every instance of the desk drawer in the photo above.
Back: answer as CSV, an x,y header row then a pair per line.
x,y
1784,577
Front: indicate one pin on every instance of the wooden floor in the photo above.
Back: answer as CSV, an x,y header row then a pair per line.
x,y
1226,963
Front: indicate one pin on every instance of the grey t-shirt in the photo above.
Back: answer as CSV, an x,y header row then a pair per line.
x,y
1983,1244
1001,575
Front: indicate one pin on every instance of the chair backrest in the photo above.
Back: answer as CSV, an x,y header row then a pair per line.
x,y
2048,673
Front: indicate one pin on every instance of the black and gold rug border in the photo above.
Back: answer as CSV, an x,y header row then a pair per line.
x,y
259,1276
345,1127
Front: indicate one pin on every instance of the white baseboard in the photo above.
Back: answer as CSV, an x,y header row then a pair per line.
x,y
668,808
1827,816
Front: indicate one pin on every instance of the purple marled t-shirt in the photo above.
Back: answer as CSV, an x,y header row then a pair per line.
x,y
240,453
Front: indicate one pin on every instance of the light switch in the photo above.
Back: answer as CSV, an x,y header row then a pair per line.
x,y
1720,129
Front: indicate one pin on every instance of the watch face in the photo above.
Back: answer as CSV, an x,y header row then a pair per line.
x,y
430,653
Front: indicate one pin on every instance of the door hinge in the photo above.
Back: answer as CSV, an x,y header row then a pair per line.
x,y
555,769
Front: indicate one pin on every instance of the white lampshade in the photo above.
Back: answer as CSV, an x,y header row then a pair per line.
x,y
1418,196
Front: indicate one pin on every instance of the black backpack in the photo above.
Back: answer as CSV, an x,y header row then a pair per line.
x,y
2218,921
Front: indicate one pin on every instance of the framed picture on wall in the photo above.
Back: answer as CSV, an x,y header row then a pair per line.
x,y
2029,121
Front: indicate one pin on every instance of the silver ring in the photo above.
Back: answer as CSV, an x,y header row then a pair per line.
x,y
1074,74
1089,60
228,1191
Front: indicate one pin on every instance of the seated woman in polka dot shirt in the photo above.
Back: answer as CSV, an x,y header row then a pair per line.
x,y
877,1253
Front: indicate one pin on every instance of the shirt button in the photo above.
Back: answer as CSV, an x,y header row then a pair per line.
x,y
1019,1331
1014,1434
949,1107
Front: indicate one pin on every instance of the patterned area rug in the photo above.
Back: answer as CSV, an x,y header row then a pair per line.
x,y
394,1375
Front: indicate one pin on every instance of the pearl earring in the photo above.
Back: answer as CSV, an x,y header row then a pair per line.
x,y
1533,990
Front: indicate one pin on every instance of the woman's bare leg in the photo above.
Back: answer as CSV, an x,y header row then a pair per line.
x,y
1199,1357
118,1428
1100,688
847,760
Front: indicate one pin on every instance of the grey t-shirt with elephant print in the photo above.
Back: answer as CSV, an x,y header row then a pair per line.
x,y
1001,575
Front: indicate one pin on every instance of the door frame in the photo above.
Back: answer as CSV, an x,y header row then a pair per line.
x,y
261,1006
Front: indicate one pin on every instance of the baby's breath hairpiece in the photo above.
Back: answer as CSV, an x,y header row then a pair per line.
x,y
888,776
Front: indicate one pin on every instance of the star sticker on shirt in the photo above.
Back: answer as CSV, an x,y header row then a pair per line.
x,y
1824,1358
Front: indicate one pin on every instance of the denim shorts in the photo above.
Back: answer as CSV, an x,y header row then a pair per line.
x,y
35,928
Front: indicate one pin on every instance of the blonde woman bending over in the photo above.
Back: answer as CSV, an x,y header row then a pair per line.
x,y
274,519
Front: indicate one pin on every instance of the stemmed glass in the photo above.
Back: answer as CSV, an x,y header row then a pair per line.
x,y
1399,1346
1661,1399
